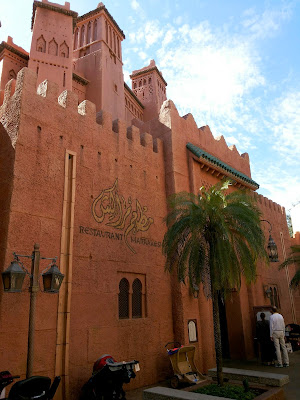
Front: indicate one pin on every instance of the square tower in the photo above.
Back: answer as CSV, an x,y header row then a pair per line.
x,y
98,57
52,41
149,87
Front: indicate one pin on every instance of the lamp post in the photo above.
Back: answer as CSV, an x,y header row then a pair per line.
x,y
272,248
13,279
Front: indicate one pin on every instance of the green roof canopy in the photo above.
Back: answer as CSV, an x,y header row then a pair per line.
x,y
214,160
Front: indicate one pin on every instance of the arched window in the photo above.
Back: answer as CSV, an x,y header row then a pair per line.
x,y
89,33
95,30
106,32
115,49
124,298
12,74
110,38
118,46
76,38
137,299
82,36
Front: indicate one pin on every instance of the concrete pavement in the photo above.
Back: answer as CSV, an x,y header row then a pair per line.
x,y
292,389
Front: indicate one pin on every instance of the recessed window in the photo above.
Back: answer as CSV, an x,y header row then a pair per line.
x,y
132,298
124,299
137,299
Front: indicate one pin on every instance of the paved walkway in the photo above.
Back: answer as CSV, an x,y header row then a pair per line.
x,y
292,389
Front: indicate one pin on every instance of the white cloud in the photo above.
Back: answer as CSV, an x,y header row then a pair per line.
x,y
148,34
285,121
169,36
266,24
143,55
135,5
231,140
178,20
295,214
210,71
217,75
282,187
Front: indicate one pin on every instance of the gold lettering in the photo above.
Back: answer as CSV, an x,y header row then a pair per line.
x,y
109,203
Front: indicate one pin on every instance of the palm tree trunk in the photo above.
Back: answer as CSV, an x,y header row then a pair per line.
x,y
217,336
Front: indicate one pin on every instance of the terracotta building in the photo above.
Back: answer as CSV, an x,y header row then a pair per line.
x,y
86,166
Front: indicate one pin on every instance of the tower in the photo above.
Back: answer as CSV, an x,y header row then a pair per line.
x,y
149,87
98,57
51,46
12,59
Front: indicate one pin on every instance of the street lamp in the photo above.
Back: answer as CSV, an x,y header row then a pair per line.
x,y
13,278
272,248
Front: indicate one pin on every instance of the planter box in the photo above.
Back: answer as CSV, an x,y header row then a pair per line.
x,y
163,393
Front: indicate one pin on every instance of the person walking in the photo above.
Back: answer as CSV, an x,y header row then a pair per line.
x,y
277,332
267,349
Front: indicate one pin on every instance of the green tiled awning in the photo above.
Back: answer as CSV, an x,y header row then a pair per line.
x,y
218,163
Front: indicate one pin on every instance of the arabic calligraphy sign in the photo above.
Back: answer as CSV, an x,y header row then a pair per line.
x,y
111,209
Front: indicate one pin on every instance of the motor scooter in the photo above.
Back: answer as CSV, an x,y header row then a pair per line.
x,y
33,388
106,382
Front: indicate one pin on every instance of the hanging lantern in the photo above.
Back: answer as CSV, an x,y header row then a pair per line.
x,y
52,279
13,277
272,250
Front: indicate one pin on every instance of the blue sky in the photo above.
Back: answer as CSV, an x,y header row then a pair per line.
x,y
233,64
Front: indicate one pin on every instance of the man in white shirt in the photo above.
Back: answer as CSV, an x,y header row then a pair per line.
x,y
277,333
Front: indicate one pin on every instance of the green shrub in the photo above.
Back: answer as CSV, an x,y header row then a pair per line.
x,y
229,391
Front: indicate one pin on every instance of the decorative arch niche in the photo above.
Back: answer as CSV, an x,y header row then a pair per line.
x,y
53,47
64,50
41,44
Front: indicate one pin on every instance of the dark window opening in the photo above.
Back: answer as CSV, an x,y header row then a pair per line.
x,y
136,299
124,299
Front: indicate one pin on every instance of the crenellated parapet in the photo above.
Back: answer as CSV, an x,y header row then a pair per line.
x,y
186,129
267,205
45,104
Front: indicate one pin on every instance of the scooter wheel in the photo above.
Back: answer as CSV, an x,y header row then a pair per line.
x,y
174,382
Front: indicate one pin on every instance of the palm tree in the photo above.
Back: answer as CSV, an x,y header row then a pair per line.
x,y
214,238
293,259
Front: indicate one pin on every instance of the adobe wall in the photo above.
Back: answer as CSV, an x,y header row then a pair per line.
x,y
103,152
275,214
7,155
296,241
183,173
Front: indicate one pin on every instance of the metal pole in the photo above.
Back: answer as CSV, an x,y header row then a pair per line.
x,y
33,288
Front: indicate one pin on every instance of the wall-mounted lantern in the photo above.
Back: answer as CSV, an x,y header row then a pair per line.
x,y
267,291
272,248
